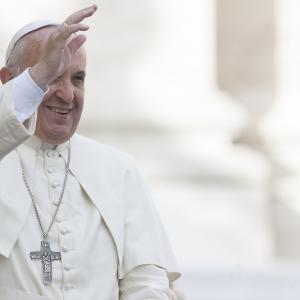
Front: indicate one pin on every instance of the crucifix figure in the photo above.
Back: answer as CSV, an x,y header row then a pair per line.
x,y
46,255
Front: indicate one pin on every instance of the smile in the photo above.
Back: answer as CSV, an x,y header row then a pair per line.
x,y
59,110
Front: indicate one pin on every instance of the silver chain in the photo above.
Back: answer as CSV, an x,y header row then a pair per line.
x,y
45,233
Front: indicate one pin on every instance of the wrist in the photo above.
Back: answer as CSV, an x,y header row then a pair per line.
x,y
38,78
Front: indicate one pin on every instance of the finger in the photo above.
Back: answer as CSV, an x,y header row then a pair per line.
x,y
70,29
65,31
76,43
81,14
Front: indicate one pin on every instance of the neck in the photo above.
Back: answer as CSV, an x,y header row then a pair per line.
x,y
50,141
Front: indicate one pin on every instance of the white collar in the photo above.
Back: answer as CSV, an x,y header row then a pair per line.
x,y
36,144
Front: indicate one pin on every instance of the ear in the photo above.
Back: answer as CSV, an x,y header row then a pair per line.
x,y
6,75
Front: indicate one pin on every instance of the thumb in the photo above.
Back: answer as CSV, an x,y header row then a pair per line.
x,y
76,43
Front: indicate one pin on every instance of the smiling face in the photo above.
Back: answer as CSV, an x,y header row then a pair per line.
x,y
61,108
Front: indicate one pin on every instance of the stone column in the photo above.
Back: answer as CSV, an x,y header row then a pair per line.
x,y
281,129
246,55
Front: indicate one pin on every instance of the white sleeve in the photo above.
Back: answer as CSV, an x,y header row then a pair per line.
x,y
27,96
19,99
145,282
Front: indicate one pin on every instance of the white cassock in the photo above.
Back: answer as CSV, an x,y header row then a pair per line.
x,y
110,237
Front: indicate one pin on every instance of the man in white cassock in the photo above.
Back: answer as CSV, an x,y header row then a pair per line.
x,y
77,221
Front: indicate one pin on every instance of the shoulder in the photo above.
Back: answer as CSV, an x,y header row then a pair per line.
x,y
101,153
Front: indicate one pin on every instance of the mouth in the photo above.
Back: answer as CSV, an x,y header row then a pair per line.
x,y
59,110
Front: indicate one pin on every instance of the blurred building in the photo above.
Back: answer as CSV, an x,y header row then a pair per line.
x,y
204,94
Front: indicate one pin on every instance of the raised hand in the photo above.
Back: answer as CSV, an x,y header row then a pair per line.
x,y
61,45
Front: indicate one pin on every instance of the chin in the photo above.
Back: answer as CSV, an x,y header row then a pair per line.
x,y
55,133
61,138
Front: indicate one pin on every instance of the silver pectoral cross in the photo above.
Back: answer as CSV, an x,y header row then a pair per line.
x,y
46,255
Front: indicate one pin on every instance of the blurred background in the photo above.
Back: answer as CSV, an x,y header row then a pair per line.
x,y
206,96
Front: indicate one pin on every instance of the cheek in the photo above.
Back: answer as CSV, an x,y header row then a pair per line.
x,y
79,106
79,96
80,103
47,98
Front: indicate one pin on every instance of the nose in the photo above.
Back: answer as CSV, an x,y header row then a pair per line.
x,y
65,90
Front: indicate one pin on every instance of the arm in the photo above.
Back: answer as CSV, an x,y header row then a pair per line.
x,y
145,282
16,95
148,266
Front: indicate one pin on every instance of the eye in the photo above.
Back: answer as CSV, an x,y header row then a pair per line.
x,y
79,77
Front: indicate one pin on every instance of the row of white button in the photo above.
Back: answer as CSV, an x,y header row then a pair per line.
x,y
55,184
50,170
63,231
52,153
